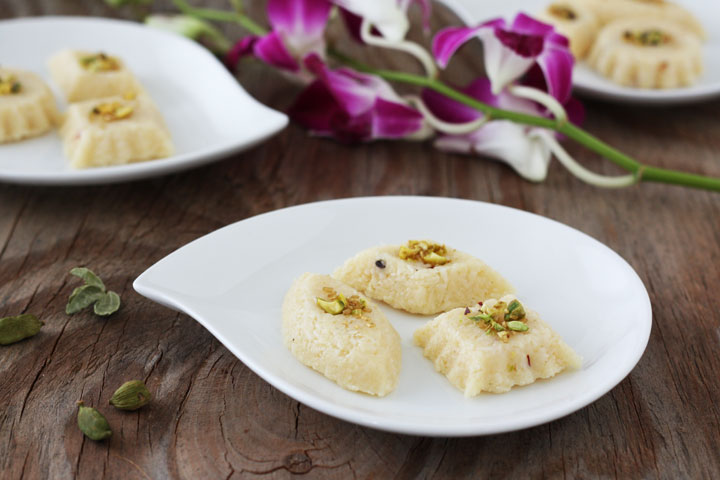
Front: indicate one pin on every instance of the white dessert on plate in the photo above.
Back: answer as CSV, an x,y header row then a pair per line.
x,y
329,327
83,75
422,276
27,106
494,347
575,20
114,131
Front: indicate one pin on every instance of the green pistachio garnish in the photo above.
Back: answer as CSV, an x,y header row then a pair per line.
x,y
562,11
20,327
92,423
647,38
111,111
131,395
99,62
9,85
515,311
333,307
430,253
517,326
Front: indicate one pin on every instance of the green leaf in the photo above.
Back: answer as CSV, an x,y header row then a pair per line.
x,y
83,297
107,304
88,276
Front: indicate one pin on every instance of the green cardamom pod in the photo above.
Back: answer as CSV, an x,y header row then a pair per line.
x,y
107,304
92,423
88,277
20,327
83,297
131,396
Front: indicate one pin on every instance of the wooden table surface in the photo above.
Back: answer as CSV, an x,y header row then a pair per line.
x,y
213,418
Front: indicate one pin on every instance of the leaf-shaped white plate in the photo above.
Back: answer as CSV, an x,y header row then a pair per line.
x,y
207,111
233,282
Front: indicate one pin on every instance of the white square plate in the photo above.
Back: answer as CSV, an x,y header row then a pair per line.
x,y
233,282
208,113
589,82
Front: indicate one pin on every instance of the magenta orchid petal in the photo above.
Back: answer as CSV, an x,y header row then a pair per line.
x,y
556,65
394,120
510,51
241,49
447,41
299,17
272,50
505,141
352,106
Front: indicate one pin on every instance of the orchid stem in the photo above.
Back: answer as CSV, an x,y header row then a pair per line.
x,y
642,172
221,16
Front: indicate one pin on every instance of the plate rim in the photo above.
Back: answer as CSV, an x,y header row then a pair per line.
x,y
326,406
152,168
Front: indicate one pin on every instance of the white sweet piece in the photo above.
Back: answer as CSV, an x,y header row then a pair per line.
x,y
476,361
611,10
85,75
97,139
358,352
418,287
574,20
647,53
27,106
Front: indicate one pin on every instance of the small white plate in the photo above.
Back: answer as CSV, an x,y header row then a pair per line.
x,y
207,111
588,82
233,282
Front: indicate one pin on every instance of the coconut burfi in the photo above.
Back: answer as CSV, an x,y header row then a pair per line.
x,y
574,20
647,53
27,106
114,131
494,347
85,75
422,277
333,329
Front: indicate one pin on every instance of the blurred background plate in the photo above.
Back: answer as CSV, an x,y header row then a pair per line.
x,y
207,111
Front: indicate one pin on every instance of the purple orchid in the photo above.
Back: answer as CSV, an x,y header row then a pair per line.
x,y
298,28
353,106
500,139
512,50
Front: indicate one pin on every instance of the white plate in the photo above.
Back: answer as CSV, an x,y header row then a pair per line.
x,y
209,115
591,83
233,282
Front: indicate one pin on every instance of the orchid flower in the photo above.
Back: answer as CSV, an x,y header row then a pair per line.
x,y
298,28
353,106
511,50
516,145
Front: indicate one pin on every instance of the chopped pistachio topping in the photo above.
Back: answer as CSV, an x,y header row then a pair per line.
x,y
500,318
427,252
562,11
337,304
9,85
647,38
99,62
111,111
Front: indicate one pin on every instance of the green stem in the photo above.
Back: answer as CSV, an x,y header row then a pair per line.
x,y
641,171
221,16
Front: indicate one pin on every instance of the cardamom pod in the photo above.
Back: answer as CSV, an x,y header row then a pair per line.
x,y
83,297
88,277
20,327
107,304
92,423
131,395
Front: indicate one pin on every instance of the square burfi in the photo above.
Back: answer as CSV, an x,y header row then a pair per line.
x,y
114,131
27,106
84,75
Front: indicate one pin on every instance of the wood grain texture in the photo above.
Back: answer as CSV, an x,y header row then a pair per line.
x,y
213,418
